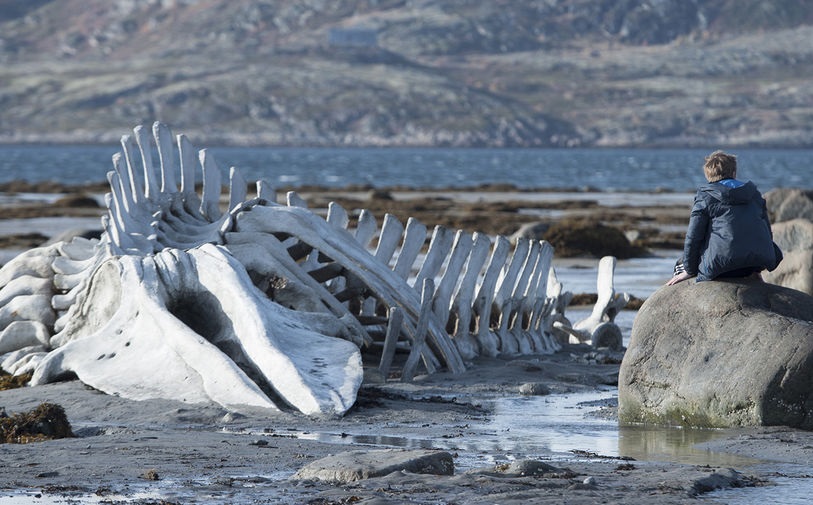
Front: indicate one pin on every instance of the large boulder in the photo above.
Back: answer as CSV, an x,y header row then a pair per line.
x,y
795,238
785,204
793,235
720,354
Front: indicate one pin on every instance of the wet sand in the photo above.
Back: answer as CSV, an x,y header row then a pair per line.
x,y
170,452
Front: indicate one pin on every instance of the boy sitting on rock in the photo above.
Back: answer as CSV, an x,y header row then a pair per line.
x,y
729,232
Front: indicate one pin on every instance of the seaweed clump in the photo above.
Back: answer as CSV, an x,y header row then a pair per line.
x,y
586,238
8,381
46,422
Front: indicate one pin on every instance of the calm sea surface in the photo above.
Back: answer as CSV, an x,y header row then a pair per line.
x,y
604,169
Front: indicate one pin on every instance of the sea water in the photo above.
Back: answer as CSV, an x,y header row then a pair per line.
x,y
642,170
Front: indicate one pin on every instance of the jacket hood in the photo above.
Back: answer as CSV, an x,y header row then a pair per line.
x,y
732,196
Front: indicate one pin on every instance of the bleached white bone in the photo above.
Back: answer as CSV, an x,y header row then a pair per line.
x,y
27,363
14,360
20,334
365,228
243,265
448,282
25,285
34,307
503,297
533,302
487,339
517,298
414,238
252,331
163,142
151,189
439,247
314,231
600,320
293,199
34,262
464,299
210,202
276,259
238,188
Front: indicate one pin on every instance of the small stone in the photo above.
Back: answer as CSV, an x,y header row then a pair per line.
x,y
720,479
230,417
224,481
374,376
529,467
357,465
534,389
151,474
589,481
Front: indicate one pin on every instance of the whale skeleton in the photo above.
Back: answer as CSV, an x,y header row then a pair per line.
x,y
266,304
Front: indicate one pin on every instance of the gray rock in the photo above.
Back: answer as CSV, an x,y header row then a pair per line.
x,y
785,204
719,354
534,389
520,468
795,238
528,467
357,465
795,271
793,235
607,335
720,479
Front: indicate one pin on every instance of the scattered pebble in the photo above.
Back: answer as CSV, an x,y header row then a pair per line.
x,y
151,474
534,389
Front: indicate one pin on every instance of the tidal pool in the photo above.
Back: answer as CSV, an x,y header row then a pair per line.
x,y
555,427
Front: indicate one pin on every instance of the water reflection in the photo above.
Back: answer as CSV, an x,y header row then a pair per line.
x,y
557,427
790,485
556,423
663,443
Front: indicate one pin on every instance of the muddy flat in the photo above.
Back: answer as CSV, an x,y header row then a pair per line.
x,y
558,409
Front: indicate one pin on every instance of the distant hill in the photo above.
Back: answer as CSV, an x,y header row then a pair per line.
x,y
520,73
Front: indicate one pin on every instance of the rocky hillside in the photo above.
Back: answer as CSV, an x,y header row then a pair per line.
x,y
411,72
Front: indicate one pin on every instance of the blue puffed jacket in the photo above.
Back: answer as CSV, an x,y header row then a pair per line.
x,y
728,230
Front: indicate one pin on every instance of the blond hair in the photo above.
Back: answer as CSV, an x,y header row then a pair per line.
x,y
719,166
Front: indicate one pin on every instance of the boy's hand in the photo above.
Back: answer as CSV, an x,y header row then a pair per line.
x,y
678,278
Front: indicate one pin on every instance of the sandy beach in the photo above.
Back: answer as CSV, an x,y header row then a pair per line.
x,y
485,418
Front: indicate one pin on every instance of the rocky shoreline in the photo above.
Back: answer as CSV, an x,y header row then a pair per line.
x,y
646,220
170,452
177,453
167,452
